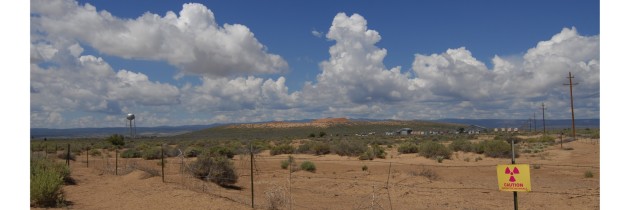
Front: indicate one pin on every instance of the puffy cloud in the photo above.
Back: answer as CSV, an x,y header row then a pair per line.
x,y
136,87
537,76
223,94
454,84
355,72
192,41
454,73
353,82
87,84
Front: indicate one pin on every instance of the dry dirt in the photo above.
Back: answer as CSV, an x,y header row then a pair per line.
x,y
340,183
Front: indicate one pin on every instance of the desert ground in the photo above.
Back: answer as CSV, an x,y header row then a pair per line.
x,y
400,181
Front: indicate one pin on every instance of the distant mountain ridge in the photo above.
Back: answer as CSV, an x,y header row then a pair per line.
x,y
40,133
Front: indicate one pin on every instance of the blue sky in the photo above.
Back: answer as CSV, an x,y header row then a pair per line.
x,y
174,63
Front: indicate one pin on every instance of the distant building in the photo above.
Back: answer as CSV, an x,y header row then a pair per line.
x,y
417,133
475,129
404,131
496,130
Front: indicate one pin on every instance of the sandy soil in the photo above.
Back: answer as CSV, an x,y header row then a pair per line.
x,y
340,183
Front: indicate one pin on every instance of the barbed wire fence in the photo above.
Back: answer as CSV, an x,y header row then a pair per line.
x,y
371,189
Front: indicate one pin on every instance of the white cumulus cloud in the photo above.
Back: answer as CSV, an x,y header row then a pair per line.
x,y
89,84
192,41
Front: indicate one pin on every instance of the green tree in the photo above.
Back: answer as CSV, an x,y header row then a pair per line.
x,y
116,140
322,134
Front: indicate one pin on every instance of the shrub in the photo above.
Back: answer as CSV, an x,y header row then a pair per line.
x,y
349,148
152,153
428,173
289,162
314,147
308,166
431,149
588,174
408,147
547,139
284,164
322,134
364,168
217,169
320,148
116,140
282,149
462,145
193,151
226,151
439,158
367,155
478,159
497,149
95,152
304,148
131,153
64,155
171,151
372,152
47,178
275,198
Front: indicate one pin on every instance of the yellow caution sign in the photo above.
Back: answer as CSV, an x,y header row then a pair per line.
x,y
514,177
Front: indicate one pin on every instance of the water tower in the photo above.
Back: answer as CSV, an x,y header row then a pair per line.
x,y
132,124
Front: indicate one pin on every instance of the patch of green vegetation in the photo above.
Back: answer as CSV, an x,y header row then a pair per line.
x,y
308,166
408,147
282,149
131,153
462,145
432,149
217,169
47,179
588,174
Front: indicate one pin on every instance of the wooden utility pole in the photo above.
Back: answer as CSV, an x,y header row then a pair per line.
x,y
571,92
251,166
534,121
290,196
544,127
67,154
162,148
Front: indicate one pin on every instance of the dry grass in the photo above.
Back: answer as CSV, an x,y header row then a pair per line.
x,y
275,197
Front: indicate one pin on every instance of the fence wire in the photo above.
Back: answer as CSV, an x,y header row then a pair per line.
x,y
370,189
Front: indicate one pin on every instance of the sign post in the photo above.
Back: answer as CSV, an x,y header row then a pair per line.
x,y
514,177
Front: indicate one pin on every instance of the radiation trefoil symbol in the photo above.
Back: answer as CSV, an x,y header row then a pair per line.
x,y
511,173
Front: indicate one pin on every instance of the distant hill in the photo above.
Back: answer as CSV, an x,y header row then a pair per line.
x,y
40,133
301,128
329,127
524,124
